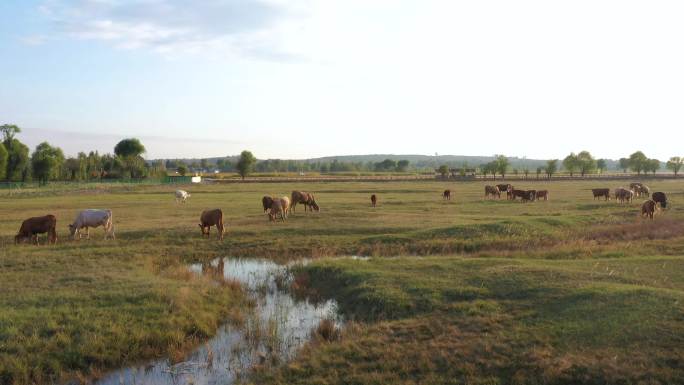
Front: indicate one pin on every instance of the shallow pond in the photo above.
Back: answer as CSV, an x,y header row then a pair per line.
x,y
279,326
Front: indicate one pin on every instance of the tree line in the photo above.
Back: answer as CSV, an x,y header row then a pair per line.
x,y
48,162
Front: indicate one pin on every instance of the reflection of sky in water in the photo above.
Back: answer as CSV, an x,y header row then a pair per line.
x,y
289,322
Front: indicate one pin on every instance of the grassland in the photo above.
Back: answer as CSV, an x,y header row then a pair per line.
x,y
566,291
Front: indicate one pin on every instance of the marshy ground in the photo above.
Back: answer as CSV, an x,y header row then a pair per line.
x,y
569,290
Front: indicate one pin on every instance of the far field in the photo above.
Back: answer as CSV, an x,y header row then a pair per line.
x,y
476,291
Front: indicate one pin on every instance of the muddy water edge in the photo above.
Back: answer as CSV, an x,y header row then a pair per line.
x,y
272,332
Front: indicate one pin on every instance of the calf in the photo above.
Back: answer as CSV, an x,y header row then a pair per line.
x,y
601,192
374,200
542,194
92,218
182,196
660,198
31,227
210,218
648,208
446,195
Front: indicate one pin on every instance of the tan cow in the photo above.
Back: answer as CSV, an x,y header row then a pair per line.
x,y
279,206
31,227
213,217
492,191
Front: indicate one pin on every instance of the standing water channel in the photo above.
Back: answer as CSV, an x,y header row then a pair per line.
x,y
279,326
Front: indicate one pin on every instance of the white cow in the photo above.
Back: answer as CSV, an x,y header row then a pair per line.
x,y
182,196
92,218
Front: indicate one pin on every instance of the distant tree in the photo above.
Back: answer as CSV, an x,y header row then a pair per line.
x,y
246,163
385,165
493,167
570,163
652,165
129,147
204,163
9,131
638,162
675,164
17,153
501,165
3,160
72,167
182,169
484,170
539,171
402,165
443,170
585,162
601,165
551,167
46,161
624,164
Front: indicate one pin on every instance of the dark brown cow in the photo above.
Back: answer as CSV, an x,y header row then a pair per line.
x,y
446,195
542,194
374,200
622,195
522,194
492,191
648,208
660,198
210,218
507,188
601,192
266,201
531,194
31,227
305,198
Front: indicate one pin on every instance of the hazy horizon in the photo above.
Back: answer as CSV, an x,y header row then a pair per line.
x,y
303,79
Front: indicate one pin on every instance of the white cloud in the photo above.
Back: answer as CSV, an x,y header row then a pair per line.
x,y
239,27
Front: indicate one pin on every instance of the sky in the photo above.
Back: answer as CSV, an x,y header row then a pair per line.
x,y
306,78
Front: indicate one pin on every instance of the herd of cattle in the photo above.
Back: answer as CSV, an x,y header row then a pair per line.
x,y
281,207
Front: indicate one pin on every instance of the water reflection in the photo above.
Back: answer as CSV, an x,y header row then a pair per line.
x,y
272,334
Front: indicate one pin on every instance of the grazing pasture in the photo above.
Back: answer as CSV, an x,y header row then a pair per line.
x,y
561,291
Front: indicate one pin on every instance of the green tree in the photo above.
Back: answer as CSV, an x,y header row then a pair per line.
x,y
652,165
570,163
129,151
443,170
3,160
675,164
246,163
624,164
385,165
46,162
638,162
551,167
501,165
585,162
182,169
402,165
601,165
17,153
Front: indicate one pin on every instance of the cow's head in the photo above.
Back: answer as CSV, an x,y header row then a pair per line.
x,y
19,238
315,206
205,229
72,230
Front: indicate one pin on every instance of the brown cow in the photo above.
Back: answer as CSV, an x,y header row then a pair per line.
x,y
601,192
446,195
531,194
266,201
622,195
519,193
307,199
492,191
374,200
542,194
210,218
648,208
31,227
660,198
